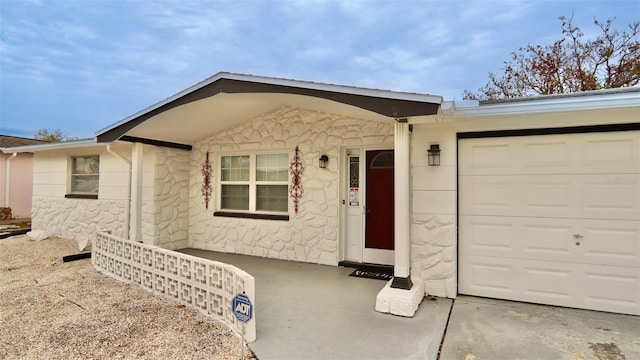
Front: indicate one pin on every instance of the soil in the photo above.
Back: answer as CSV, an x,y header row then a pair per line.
x,y
56,310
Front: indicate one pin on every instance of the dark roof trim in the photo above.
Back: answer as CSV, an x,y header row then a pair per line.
x,y
398,106
550,131
156,142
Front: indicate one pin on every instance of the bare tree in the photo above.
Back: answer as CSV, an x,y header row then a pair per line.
x,y
571,64
55,135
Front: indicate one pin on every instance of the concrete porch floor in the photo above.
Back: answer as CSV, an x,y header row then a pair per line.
x,y
307,311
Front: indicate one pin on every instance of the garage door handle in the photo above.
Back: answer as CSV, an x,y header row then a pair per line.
x,y
578,237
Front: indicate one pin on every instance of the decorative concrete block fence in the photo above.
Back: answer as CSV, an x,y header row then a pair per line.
x,y
206,285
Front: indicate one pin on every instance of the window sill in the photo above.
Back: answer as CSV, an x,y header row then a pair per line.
x,y
251,215
81,196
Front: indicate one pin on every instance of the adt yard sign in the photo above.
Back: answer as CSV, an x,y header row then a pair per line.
x,y
242,307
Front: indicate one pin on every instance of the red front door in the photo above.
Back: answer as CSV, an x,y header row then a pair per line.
x,y
379,219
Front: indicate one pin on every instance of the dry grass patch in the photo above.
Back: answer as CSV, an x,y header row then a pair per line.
x,y
56,310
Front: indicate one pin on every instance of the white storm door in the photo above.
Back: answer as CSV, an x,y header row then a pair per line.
x,y
354,208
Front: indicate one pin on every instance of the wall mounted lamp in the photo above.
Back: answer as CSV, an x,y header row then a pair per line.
x,y
324,159
434,155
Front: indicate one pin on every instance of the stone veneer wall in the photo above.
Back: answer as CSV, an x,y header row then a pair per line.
x,y
433,223
433,253
167,215
312,234
77,219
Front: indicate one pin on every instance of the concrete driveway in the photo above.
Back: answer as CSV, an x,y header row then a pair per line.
x,y
482,328
307,311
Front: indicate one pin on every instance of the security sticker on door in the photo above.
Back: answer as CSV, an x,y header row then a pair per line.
x,y
354,196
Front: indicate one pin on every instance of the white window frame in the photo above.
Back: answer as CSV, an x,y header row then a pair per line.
x,y
73,176
252,182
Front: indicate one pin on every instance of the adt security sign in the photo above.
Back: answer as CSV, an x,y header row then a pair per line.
x,y
242,307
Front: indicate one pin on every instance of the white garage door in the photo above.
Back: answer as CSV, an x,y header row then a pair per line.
x,y
552,219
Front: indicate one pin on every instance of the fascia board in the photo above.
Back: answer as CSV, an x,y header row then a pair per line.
x,y
578,103
433,99
53,146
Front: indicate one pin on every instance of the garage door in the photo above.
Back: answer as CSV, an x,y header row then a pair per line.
x,y
552,219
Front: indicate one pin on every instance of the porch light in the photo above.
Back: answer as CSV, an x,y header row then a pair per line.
x,y
434,155
324,159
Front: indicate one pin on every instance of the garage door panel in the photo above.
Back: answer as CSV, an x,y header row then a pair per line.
x,y
494,277
567,196
605,199
489,278
598,242
555,221
612,151
610,242
488,236
515,237
612,288
609,288
595,153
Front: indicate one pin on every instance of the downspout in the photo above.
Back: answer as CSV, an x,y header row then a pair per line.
x,y
127,208
7,174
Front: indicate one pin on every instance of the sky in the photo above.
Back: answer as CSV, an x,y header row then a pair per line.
x,y
80,66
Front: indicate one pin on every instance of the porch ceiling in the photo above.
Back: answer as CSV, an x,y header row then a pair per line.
x,y
227,99
191,122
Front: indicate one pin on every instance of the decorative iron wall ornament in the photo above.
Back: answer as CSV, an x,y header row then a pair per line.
x,y
296,170
206,184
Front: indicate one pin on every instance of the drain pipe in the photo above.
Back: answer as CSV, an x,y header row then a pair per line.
x,y
127,208
8,180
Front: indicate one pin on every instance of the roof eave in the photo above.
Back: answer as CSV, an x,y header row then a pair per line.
x,y
239,83
53,146
579,102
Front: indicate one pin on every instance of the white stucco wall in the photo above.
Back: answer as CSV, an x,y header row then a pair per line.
x,y
78,219
165,184
434,189
312,234
433,207
166,209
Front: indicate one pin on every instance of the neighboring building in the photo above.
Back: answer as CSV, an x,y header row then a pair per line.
x,y
534,199
16,176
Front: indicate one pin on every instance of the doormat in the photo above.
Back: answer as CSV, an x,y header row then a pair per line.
x,y
374,272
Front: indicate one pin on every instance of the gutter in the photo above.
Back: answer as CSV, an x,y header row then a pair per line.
x,y
7,179
127,208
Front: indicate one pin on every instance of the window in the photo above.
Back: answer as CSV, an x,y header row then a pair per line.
x,y
254,183
85,175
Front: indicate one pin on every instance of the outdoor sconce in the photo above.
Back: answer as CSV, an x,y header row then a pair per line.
x,y
434,155
324,159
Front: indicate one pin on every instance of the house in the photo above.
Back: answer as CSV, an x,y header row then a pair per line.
x,y
534,199
16,172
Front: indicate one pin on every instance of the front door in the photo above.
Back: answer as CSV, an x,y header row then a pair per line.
x,y
379,207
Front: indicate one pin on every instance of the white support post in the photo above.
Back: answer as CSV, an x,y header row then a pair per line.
x,y
137,154
402,215
401,296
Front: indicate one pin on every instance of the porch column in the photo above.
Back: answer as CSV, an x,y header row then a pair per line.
x,y
401,296
136,192
402,241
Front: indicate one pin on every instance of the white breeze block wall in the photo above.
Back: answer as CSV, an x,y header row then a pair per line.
x,y
206,285
433,223
77,219
171,198
312,234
